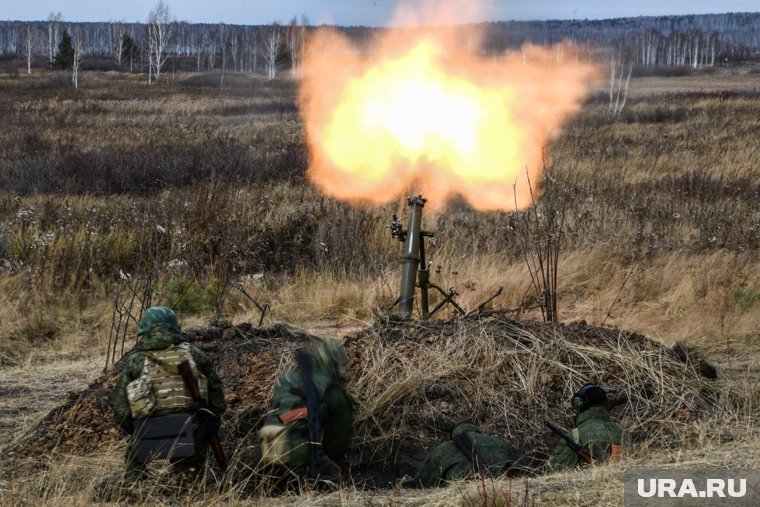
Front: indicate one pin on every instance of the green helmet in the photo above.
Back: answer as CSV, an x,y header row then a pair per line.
x,y
329,356
158,316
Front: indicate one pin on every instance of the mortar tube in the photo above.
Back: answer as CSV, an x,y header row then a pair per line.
x,y
410,259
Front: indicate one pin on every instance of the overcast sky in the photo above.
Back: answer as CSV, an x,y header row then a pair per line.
x,y
351,12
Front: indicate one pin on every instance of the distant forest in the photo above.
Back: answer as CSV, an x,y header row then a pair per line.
x,y
673,41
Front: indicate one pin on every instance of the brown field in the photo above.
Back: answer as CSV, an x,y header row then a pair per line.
x,y
736,81
197,186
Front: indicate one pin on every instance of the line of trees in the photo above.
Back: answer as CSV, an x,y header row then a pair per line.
x,y
148,46
737,29
692,47
648,41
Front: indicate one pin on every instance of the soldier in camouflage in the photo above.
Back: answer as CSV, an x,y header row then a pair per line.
x,y
284,439
469,453
150,386
594,430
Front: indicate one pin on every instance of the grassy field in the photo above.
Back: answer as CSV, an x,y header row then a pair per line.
x,y
194,194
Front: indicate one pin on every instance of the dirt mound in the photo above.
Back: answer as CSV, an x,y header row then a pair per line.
x,y
247,360
414,380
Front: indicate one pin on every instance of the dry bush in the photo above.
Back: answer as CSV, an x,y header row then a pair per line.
x,y
510,376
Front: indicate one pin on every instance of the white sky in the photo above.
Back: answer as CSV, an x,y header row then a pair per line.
x,y
350,12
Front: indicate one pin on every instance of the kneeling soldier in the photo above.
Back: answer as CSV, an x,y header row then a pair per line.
x,y
311,418
169,398
598,438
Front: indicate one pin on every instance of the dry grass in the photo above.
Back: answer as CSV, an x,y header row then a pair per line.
x,y
407,387
706,299
728,79
511,376
662,237
36,321
600,486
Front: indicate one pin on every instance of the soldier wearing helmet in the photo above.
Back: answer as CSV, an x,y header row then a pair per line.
x,y
594,430
309,426
153,404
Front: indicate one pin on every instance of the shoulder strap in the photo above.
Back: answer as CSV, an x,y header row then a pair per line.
x,y
156,357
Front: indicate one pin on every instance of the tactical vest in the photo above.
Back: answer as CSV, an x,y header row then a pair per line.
x,y
160,389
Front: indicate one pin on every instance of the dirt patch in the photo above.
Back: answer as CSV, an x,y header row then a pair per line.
x,y
414,380
30,391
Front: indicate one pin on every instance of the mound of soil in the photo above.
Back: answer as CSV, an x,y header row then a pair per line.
x,y
414,380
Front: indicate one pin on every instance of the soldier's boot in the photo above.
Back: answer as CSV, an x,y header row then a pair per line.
x,y
134,471
328,474
133,475
188,469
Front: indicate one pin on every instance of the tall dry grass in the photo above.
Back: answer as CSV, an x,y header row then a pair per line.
x,y
677,419
196,182
209,191
600,486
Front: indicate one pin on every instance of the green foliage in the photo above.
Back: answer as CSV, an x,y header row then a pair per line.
x,y
64,59
130,50
283,60
186,296
746,299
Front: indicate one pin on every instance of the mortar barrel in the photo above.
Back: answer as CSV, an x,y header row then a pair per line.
x,y
410,259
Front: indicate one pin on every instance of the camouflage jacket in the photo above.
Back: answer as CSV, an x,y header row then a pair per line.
x,y
596,433
335,412
157,339
329,370
448,462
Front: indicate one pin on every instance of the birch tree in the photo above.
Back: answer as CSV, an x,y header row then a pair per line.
x,y
713,42
210,37
618,90
222,31
253,49
234,45
116,38
29,44
78,45
53,25
160,28
296,42
270,48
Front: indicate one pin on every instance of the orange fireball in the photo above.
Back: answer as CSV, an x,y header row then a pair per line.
x,y
422,113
